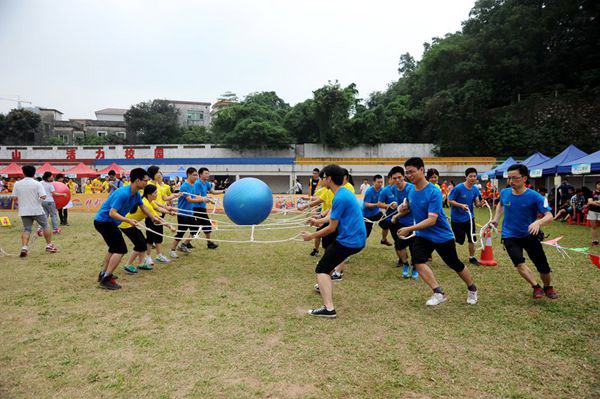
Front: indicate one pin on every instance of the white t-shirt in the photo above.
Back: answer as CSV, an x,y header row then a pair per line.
x,y
29,192
49,189
364,187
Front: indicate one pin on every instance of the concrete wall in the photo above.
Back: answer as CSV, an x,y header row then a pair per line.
x,y
110,117
386,150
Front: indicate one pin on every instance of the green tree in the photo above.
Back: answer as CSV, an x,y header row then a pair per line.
x,y
300,122
153,122
20,127
195,135
334,106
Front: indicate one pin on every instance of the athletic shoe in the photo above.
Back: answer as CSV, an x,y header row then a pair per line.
x,y
315,252
538,293
550,293
100,277
594,243
183,248
23,252
51,248
149,260
405,271
211,245
335,276
109,283
415,274
130,269
316,288
57,231
162,259
386,242
173,254
189,245
322,312
436,299
472,297
474,261
145,267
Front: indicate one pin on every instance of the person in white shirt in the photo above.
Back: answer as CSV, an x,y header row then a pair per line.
x,y
365,186
48,204
297,187
30,194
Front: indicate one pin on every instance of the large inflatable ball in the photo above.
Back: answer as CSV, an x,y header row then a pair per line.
x,y
248,201
59,200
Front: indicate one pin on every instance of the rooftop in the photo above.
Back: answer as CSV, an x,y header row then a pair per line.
x,y
188,102
112,111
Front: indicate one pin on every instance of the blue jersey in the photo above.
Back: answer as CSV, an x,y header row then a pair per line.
x,y
386,195
122,200
186,207
400,196
426,201
352,232
202,188
372,197
462,195
520,211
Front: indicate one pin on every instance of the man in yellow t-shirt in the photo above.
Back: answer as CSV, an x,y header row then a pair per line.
x,y
96,185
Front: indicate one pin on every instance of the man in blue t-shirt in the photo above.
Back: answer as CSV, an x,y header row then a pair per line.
x,y
109,217
521,229
346,217
401,191
461,200
185,215
387,202
202,188
432,232
371,211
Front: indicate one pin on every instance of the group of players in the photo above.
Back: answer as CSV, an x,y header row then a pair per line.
x,y
414,216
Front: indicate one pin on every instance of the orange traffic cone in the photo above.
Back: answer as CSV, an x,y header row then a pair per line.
x,y
487,255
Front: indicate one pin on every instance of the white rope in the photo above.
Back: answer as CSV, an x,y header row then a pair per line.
x,y
488,226
474,236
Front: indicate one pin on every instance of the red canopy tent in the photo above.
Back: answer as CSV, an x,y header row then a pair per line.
x,y
47,168
82,171
113,166
12,170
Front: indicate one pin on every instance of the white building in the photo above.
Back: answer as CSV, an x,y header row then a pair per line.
x,y
111,114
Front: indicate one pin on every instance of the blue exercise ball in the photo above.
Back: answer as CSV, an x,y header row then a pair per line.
x,y
248,201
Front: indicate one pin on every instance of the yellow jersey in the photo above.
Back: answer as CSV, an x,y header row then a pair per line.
x,y
162,190
139,215
327,196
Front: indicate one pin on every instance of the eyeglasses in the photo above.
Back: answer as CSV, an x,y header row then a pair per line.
x,y
513,177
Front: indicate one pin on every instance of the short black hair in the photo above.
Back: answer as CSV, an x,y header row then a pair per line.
x,y
431,172
579,190
152,171
202,169
28,170
46,176
523,171
190,171
60,176
397,169
316,170
416,162
336,173
542,190
112,173
149,189
469,171
137,174
377,177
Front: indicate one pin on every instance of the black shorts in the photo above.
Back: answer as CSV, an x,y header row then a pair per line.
x,y
203,219
422,249
370,222
328,239
190,221
137,238
112,237
335,254
385,224
514,246
400,243
461,230
152,229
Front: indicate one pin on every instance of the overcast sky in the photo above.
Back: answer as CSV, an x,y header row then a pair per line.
x,y
84,55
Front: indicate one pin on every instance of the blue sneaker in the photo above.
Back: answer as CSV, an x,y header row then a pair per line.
x,y
406,271
130,269
415,274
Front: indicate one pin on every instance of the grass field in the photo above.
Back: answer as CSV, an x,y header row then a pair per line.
x,y
231,323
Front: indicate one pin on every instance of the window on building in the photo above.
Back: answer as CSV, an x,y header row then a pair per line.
x,y
121,134
195,115
101,133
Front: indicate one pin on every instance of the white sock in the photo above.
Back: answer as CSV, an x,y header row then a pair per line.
x,y
329,309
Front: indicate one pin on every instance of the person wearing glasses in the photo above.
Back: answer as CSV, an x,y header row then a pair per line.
x,y
521,227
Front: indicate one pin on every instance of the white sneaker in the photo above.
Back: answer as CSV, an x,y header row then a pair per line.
x,y
173,254
436,299
316,288
183,248
472,297
162,259
149,260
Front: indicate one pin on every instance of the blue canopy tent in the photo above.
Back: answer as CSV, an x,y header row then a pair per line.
x,y
587,164
535,159
499,172
550,167
492,173
178,173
